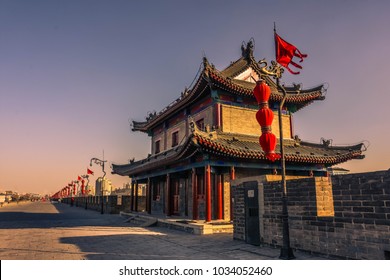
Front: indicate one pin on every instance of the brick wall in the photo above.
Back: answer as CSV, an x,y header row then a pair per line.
x,y
348,217
110,203
243,120
165,136
239,225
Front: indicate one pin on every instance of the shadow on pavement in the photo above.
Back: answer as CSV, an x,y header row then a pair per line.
x,y
161,244
55,215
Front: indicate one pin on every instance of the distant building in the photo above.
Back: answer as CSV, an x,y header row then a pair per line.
x,y
127,190
209,136
105,184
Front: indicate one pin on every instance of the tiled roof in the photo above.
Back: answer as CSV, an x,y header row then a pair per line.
x,y
245,148
300,98
224,80
159,160
237,67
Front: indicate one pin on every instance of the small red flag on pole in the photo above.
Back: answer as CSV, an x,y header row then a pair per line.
x,y
285,52
89,171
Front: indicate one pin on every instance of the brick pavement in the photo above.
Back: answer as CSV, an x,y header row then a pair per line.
x,y
60,232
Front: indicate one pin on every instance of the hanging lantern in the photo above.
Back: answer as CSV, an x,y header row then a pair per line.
x,y
82,187
262,92
268,142
265,117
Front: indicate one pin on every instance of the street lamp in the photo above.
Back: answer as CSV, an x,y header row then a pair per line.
x,y
286,252
71,187
76,190
85,190
101,163
268,143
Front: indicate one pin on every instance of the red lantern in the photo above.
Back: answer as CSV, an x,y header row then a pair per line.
x,y
268,142
265,117
82,187
273,156
261,92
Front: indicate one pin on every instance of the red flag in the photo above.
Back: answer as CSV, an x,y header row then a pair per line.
x,y
89,171
285,52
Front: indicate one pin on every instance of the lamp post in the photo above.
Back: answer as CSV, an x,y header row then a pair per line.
x,y
286,252
71,187
101,163
86,190
76,190
262,93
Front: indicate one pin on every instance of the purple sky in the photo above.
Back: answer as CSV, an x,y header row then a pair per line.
x,y
73,73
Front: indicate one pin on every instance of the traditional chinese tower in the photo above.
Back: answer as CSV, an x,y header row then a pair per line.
x,y
210,135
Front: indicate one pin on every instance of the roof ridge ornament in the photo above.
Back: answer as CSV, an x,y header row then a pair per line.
x,y
297,141
247,51
326,142
194,129
273,70
192,125
151,116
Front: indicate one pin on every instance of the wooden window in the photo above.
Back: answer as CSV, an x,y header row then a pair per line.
x,y
157,147
200,124
175,138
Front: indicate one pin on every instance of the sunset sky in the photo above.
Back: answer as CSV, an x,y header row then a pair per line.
x,y
74,73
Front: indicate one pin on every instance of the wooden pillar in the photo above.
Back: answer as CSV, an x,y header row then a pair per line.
x,y
218,115
165,136
232,177
136,197
219,197
194,183
149,197
208,192
186,195
132,196
232,173
168,196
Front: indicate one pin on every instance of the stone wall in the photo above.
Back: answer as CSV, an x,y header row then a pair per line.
x,y
348,217
242,120
111,204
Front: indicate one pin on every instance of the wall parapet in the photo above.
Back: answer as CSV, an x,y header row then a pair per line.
x,y
347,216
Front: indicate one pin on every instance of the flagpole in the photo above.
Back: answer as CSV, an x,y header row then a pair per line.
x,y
101,163
286,252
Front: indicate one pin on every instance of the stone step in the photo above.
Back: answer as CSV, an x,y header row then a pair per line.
x,y
194,227
197,228
139,220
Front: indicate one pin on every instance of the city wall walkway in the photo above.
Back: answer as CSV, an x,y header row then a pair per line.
x,y
46,231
